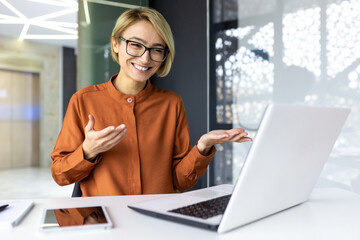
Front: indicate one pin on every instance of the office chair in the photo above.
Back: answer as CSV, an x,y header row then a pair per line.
x,y
77,190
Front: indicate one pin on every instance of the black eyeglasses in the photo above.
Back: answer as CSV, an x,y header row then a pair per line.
x,y
136,49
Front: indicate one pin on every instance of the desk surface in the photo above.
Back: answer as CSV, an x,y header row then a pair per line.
x,y
329,214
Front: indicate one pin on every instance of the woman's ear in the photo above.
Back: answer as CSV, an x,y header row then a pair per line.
x,y
115,44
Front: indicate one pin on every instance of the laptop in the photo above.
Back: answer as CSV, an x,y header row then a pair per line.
x,y
287,155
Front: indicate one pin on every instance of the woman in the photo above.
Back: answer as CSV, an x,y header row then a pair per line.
x,y
127,136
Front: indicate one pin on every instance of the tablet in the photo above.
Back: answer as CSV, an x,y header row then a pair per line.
x,y
88,217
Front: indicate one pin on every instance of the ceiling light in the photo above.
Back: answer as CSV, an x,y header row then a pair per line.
x,y
55,14
66,7
55,37
13,9
60,24
57,3
24,31
56,28
87,13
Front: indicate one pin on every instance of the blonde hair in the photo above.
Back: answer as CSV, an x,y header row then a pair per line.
x,y
161,26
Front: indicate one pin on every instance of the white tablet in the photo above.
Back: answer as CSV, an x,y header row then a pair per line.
x,y
88,217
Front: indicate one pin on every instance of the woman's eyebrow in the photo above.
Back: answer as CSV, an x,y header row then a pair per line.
x,y
145,42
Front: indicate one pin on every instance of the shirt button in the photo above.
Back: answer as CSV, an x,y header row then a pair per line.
x,y
129,100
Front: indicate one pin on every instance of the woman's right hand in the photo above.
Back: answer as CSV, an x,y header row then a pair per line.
x,y
100,141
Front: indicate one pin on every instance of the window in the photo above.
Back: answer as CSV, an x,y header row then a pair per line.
x,y
288,51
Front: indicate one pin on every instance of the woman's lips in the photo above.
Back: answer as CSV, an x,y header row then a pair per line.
x,y
138,67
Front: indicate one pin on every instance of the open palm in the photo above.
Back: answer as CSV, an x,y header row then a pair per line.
x,y
221,136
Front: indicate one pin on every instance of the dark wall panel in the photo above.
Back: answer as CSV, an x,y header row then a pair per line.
x,y
188,76
69,76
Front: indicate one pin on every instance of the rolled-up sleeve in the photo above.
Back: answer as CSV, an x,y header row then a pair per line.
x,y
68,164
188,163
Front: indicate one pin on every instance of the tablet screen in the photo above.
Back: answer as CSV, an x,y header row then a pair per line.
x,y
87,217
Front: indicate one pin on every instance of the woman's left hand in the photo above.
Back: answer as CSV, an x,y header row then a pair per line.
x,y
221,136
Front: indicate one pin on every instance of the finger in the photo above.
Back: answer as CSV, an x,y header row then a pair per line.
x,y
235,131
220,136
237,137
121,127
245,139
118,138
238,133
110,143
104,132
106,143
109,130
117,131
90,124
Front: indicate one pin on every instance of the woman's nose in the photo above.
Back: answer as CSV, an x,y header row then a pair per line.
x,y
146,56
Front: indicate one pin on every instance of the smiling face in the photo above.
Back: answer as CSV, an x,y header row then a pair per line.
x,y
138,69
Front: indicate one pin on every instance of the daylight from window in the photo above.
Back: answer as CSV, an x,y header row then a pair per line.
x,y
312,56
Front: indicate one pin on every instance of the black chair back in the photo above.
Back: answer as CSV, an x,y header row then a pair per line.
x,y
77,190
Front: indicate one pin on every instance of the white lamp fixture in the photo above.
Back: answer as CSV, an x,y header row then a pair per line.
x,y
42,20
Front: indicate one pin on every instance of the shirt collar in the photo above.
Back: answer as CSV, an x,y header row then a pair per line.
x,y
143,94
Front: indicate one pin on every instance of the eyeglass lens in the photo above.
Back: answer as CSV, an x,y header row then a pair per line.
x,y
136,49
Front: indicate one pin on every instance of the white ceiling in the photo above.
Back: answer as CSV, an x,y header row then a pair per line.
x,y
45,21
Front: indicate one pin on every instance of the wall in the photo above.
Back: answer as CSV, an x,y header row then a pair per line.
x,y
188,76
19,119
69,77
46,60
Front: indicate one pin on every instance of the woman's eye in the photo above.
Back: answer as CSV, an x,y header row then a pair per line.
x,y
136,45
158,51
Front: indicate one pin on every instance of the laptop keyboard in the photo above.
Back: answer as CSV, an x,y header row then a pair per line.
x,y
205,209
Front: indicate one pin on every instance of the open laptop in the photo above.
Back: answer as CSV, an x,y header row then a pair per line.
x,y
283,164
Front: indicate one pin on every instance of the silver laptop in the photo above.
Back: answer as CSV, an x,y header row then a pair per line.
x,y
282,166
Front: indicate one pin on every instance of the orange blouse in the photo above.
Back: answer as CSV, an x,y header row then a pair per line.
x,y
154,157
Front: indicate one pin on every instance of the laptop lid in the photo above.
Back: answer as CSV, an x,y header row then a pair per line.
x,y
288,153
284,162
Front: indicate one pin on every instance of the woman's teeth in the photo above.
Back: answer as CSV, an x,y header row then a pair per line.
x,y
140,68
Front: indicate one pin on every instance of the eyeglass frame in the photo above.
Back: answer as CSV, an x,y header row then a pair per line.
x,y
166,50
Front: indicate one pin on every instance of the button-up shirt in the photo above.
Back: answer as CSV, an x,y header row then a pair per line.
x,y
154,157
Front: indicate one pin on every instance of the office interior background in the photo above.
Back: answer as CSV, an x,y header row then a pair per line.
x,y
233,57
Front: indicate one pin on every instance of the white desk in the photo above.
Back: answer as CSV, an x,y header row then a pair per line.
x,y
329,214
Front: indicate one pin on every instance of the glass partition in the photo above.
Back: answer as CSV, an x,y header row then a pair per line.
x,y
285,51
96,21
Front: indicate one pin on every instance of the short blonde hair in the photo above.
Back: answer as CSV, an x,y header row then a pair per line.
x,y
132,16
